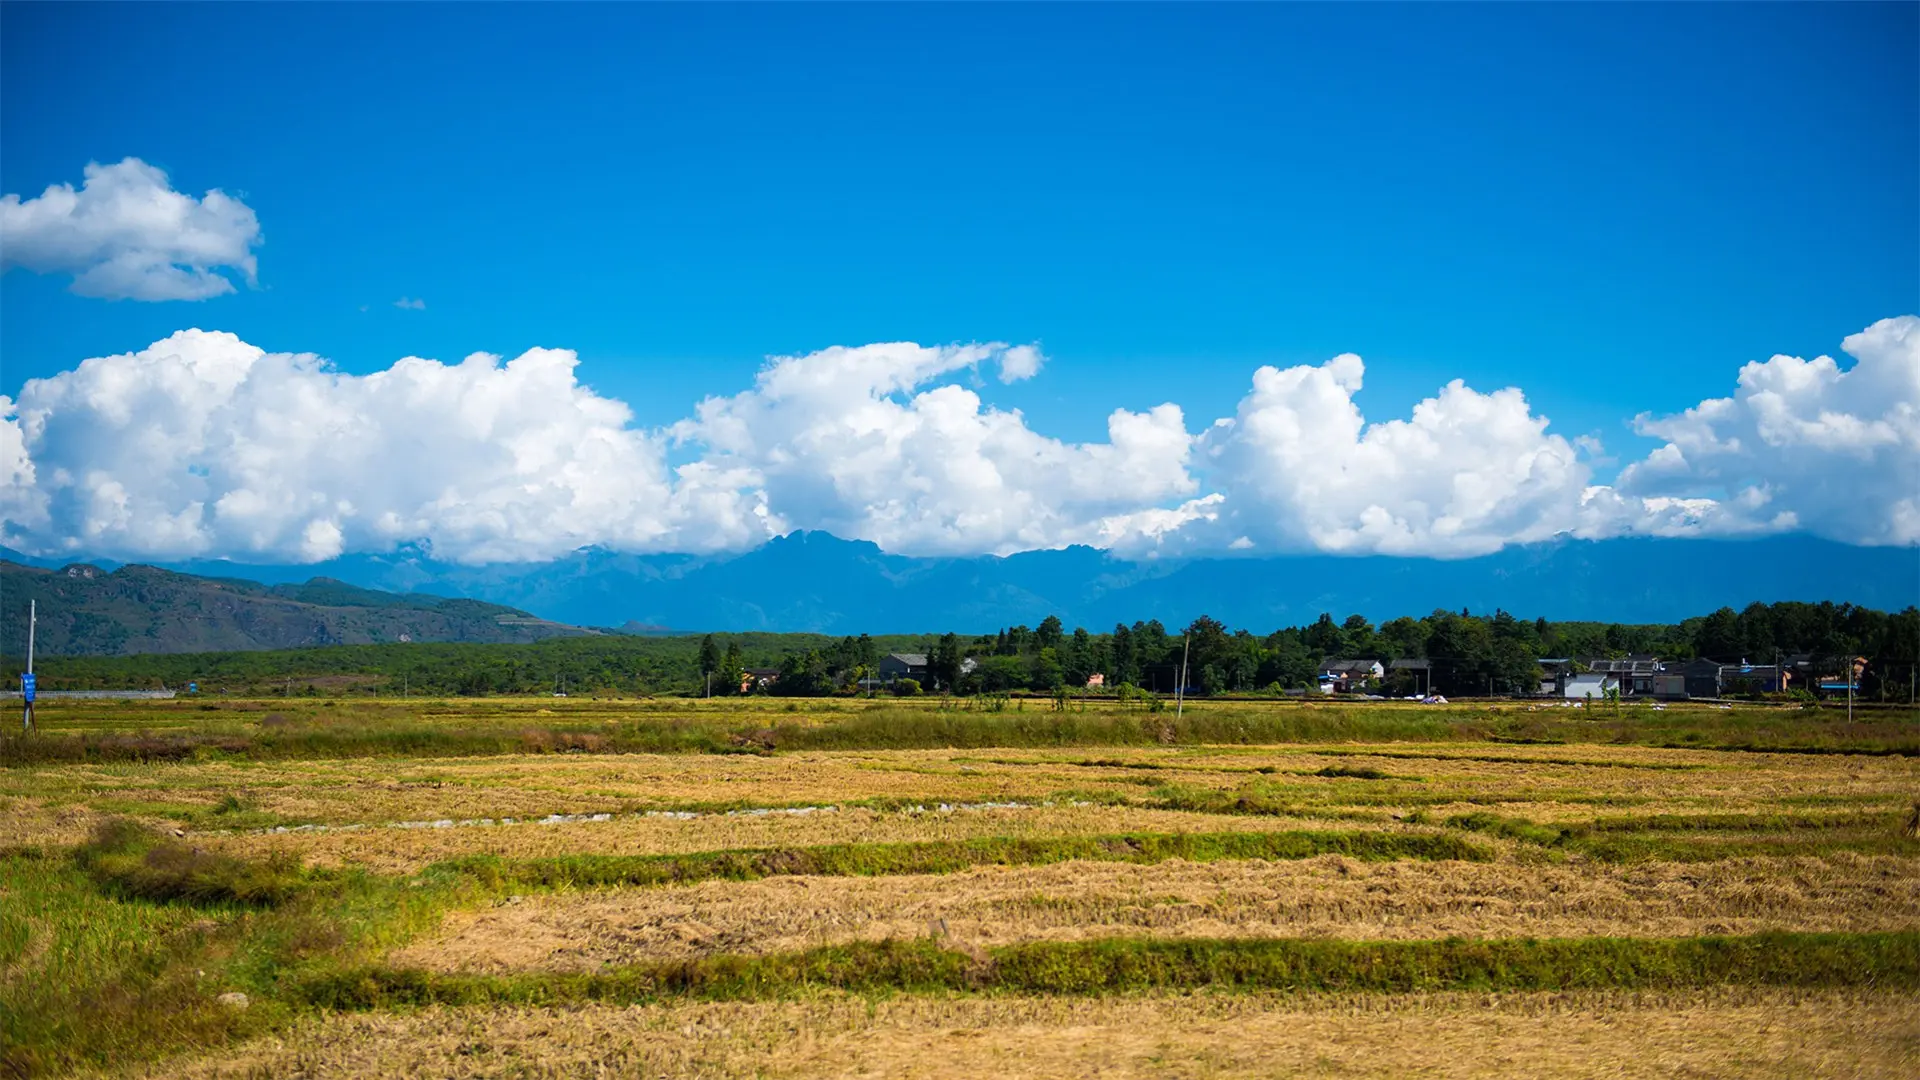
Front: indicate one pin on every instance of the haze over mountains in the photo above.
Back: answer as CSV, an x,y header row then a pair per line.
x,y
817,582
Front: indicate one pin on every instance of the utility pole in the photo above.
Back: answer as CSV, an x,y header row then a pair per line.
x,y
27,687
1180,692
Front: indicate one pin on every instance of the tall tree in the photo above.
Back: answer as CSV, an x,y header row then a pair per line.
x,y
943,663
1461,649
1045,672
1402,638
1324,636
1719,636
1126,666
1208,646
1356,636
1078,659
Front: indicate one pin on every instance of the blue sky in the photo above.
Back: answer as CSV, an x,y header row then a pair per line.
x,y
1610,207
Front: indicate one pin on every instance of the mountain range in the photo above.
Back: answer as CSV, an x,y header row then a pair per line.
x,y
817,582
86,610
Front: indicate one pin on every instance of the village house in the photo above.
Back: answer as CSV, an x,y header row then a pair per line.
x,y
1840,675
1589,687
1554,672
895,666
1744,678
1634,673
1349,676
1417,669
1700,678
757,678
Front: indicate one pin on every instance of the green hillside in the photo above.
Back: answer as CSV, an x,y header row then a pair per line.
x,y
86,611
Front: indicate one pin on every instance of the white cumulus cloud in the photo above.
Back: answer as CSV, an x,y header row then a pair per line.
x,y
1466,474
1020,362
203,444
406,304
127,235
845,440
1803,443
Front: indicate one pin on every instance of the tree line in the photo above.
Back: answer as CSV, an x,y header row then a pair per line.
x,y
1467,653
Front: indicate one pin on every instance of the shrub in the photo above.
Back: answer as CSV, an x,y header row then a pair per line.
x,y
906,687
1354,773
136,862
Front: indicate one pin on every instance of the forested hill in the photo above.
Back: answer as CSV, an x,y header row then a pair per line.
x,y
87,611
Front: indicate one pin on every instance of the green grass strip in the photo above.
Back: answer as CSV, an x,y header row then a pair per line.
x,y
1119,965
948,856
1701,838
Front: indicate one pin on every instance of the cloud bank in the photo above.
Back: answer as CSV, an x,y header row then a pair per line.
x,y
202,444
1467,474
127,235
1802,443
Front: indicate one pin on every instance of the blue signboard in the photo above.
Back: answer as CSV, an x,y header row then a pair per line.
x,y
26,686
193,688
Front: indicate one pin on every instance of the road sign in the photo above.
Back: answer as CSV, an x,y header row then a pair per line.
x,y
27,686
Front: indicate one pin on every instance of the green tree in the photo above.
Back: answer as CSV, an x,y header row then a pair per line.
x,y
730,670
1356,637
943,662
1126,666
1078,661
1461,649
998,674
1288,662
1045,672
1402,638
1515,669
1719,636
1324,637
1207,645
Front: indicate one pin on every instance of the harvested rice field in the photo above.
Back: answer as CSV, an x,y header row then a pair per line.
x,y
1740,1035
511,889
1328,896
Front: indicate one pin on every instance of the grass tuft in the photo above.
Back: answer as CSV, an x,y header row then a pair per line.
x,y
135,862
1353,772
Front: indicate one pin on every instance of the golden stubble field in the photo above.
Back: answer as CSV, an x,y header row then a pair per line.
x,y
1561,841
1330,896
1633,1036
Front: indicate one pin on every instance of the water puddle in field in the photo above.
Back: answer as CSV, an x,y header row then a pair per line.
x,y
670,815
